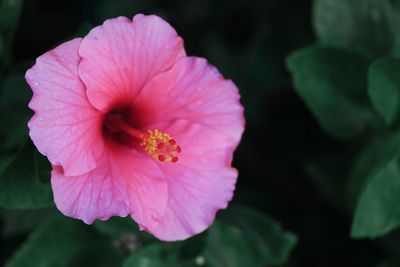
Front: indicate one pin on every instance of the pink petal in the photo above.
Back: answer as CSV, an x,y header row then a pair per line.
x,y
199,184
193,90
124,182
120,56
65,127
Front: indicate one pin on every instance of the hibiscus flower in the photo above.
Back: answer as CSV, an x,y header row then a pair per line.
x,y
134,126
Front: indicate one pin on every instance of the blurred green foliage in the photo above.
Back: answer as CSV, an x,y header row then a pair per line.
x,y
384,81
368,26
322,159
260,240
332,83
349,80
118,242
377,211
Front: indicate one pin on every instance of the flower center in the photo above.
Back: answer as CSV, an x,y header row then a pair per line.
x,y
159,145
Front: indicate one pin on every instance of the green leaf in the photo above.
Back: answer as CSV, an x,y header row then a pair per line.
x,y
20,186
228,246
384,88
377,211
62,242
370,26
371,158
57,242
333,84
247,238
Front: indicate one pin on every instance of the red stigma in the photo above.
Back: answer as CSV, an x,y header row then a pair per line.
x,y
161,146
172,142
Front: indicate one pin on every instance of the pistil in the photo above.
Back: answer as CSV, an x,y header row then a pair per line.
x,y
159,145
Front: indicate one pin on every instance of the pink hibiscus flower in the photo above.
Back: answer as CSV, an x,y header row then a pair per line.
x,y
133,126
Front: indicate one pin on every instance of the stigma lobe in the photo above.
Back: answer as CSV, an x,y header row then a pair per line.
x,y
161,146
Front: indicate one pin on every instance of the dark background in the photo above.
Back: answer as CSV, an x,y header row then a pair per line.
x,y
248,41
